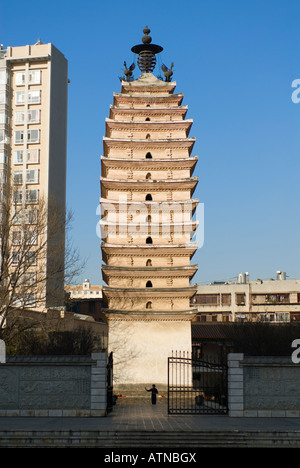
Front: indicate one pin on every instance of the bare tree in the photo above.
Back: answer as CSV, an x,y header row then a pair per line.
x,y
36,256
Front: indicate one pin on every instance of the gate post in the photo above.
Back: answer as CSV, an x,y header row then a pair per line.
x,y
2,352
98,385
109,383
235,385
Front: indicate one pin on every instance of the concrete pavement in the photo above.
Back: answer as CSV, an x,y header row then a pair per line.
x,y
146,417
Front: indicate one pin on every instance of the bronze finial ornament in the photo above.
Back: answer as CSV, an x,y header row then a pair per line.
x,y
168,72
146,52
128,71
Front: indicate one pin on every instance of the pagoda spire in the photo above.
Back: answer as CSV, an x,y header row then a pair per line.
x,y
147,58
146,52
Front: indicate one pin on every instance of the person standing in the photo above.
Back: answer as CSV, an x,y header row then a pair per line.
x,y
154,393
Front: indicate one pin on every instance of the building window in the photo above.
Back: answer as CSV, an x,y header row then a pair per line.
x,y
149,262
30,258
226,299
240,299
35,76
19,137
31,216
149,284
148,156
3,158
16,238
15,258
34,97
17,196
4,119
33,136
208,299
33,116
19,117
32,196
3,77
20,79
149,305
18,177
148,197
3,97
3,137
32,176
20,98
3,180
25,216
30,237
18,157
149,240
277,298
32,156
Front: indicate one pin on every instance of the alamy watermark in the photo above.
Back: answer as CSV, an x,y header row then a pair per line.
x,y
177,223
296,354
296,94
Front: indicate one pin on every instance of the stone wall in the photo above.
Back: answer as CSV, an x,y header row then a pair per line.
x,y
263,386
53,386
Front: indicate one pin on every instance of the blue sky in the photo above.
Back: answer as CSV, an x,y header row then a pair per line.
x,y
235,61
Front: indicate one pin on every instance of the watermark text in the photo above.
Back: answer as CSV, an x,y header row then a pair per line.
x,y
296,353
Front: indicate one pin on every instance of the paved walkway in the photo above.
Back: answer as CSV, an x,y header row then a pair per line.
x,y
144,417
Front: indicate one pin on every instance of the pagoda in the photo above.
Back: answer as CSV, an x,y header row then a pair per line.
x,y
147,225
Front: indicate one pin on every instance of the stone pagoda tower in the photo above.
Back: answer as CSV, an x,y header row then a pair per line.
x,y
147,208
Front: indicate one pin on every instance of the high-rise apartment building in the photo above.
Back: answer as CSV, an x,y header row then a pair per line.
x,y
147,188
33,138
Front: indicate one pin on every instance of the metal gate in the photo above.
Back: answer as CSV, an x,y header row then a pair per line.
x,y
196,386
109,383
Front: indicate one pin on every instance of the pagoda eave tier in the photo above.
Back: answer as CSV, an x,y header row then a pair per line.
x,y
117,250
145,111
111,292
142,315
151,164
184,271
123,205
149,125
128,99
148,144
136,229
155,227
149,184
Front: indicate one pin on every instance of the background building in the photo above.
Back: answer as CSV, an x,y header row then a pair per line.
x,y
86,299
273,300
33,142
